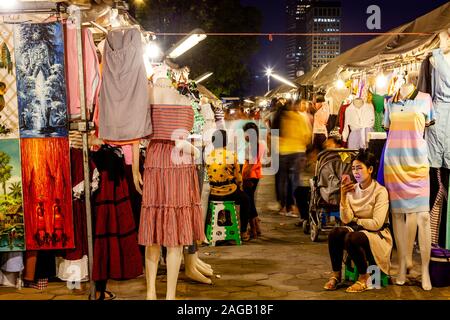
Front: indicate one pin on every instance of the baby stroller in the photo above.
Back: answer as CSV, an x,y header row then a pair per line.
x,y
325,190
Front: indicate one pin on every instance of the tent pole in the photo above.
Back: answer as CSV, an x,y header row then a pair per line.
x,y
84,128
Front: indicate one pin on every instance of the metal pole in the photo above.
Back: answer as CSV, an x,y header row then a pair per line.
x,y
268,82
84,127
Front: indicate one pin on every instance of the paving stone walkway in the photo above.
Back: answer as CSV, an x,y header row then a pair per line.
x,y
283,264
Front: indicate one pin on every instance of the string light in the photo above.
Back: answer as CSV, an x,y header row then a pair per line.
x,y
340,84
381,80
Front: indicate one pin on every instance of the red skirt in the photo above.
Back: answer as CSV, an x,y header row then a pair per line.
x,y
171,212
116,251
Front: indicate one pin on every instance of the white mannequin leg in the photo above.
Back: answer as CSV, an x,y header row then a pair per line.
x,y
192,270
174,255
411,224
204,268
400,234
151,268
423,219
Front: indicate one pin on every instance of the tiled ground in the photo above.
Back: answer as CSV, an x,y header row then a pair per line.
x,y
282,264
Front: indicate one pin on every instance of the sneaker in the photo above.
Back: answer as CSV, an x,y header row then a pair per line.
x,y
292,214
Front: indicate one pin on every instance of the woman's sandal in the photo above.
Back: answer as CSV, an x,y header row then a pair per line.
x,y
358,286
332,283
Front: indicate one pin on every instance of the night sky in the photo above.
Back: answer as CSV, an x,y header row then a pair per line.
x,y
393,13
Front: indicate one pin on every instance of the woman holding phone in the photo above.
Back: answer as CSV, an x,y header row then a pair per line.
x,y
365,236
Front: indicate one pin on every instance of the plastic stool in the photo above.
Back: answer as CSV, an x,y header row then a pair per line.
x,y
222,222
351,273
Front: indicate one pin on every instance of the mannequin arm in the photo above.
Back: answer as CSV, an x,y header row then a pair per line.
x,y
137,178
380,211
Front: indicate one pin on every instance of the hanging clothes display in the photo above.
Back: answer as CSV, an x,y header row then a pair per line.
x,y
341,115
438,139
406,170
358,122
41,86
91,69
124,112
378,103
171,207
116,252
9,115
47,193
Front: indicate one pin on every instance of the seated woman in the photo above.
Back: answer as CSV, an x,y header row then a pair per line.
x,y
225,179
366,236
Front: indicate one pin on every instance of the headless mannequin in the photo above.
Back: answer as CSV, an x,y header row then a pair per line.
x,y
194,267
405,228
444,44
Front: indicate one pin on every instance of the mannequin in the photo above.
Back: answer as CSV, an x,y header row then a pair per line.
x,y
404,172
438,145
170,216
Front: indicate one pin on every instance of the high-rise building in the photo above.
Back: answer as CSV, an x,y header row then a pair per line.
x,y
323,17
304,53
296,45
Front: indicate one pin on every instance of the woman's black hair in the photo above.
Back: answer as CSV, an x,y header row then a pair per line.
x,y
368,158
253,126
219,139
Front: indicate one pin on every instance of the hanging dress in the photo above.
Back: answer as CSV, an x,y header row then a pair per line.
x,y
124,112
406,169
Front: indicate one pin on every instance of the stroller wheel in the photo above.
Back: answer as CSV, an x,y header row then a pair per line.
x,y
306,227
314,232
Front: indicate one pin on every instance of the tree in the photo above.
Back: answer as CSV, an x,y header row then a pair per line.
x,y
16,190
5,170
226,56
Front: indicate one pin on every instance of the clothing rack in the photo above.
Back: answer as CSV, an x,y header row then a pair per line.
x,y
82,125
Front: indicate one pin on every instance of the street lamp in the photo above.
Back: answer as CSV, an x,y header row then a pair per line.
x,y
268,74
203,77
189,41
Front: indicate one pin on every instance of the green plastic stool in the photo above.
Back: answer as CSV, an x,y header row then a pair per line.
x,y
351,273
222,222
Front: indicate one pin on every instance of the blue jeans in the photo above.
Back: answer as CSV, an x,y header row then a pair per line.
x,y
289,175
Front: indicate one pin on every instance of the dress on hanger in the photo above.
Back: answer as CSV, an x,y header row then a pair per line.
x,y
406,169
358,122
378,103
124,106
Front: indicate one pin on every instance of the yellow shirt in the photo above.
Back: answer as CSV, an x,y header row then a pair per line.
x,y
296,132
223,172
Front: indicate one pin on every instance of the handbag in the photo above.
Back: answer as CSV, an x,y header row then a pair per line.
x,y
440,267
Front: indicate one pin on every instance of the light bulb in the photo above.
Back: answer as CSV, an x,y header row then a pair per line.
x,y
340,84
381,81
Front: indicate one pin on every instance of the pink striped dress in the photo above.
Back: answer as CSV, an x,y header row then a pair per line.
x,y
171,212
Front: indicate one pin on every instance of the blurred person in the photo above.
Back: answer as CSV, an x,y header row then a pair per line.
x,y
295,136
321,115
252,172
